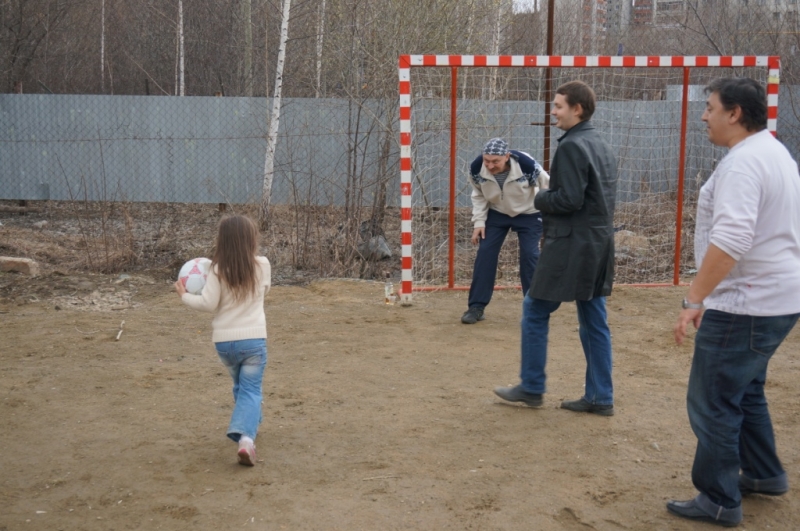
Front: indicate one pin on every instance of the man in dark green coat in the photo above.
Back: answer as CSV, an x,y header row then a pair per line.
x,y
577,257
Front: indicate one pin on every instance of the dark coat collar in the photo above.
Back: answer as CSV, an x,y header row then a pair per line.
x,y
580,126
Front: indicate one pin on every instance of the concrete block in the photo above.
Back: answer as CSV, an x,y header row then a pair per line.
x,y
630,243
20,265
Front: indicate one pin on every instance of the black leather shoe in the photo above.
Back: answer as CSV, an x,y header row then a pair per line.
x,y
703,509
776,486
518,394
473,315
583,406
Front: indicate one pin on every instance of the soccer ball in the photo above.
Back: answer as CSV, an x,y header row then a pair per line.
x,y
193,274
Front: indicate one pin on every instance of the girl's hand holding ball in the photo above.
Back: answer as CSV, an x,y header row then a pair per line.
x,y
180,288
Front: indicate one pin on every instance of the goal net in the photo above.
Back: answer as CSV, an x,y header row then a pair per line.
x,y
648,110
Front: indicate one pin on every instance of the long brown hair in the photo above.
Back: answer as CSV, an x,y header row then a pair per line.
x,y
235,255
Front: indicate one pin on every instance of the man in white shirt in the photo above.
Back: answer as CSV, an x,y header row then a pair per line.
x,y
747,242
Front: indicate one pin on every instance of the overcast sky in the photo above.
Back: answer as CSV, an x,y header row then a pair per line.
x,y
529,5
525,5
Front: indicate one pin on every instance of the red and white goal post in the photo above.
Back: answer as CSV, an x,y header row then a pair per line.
x,y
649,110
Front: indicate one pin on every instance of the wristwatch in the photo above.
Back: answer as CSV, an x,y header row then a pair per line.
x,y
686,305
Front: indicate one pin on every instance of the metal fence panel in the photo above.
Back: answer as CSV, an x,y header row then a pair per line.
x,y
211,150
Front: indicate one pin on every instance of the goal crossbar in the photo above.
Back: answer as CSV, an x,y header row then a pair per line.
x,y
407,62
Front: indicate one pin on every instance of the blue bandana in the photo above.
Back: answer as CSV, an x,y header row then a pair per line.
x,y
496,146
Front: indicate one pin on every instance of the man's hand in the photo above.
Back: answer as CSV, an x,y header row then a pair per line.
x,y
684,318
478,234
715,267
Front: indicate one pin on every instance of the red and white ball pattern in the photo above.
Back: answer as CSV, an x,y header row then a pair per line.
x,y
194,273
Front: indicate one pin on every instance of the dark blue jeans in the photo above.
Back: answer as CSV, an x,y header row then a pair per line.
x,y
529,231
726,403
595,339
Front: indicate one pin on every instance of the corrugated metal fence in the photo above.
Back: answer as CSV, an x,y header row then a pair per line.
x,y
211,150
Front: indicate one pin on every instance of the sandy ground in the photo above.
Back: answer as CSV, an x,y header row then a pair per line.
x,y
375,417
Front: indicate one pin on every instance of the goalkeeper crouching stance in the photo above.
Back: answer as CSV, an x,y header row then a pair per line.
x,y
504,183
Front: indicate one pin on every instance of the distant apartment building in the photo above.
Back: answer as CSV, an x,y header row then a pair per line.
x,y
594,22
777,6
589,17
670,12
657,12
618,14
785,12
595,19
781,10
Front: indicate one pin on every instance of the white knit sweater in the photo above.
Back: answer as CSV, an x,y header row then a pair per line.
x,y
233,320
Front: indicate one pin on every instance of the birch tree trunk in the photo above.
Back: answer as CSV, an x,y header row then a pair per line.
x,y
247,20
320,37
180,86
266,49
465,72
274,119
495,50
102,46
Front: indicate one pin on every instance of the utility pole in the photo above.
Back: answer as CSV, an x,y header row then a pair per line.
x,y
548,84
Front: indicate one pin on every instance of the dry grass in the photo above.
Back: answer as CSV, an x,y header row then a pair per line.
x,y
652,218
106,237
303,242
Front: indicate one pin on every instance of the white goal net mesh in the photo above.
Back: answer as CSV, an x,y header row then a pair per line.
x,y
638,113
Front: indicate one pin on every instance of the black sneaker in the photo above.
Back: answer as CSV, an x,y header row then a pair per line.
x,y
583,406
473,315
518,394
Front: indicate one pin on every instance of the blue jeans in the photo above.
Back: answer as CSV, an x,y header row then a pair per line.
x,y
595,338
245,361
726,403
529,231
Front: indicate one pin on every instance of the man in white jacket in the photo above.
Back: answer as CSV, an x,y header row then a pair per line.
x,y
504,183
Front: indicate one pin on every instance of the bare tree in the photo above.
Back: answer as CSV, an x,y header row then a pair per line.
x,y
274,119
320,39
25,26
102,45
498,26
247,24
180,80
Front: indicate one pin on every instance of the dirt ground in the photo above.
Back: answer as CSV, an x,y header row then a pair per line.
x,y
375,416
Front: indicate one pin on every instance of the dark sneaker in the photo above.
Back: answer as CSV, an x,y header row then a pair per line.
x,y
776,486
518,394
473,315
703,509
583,406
